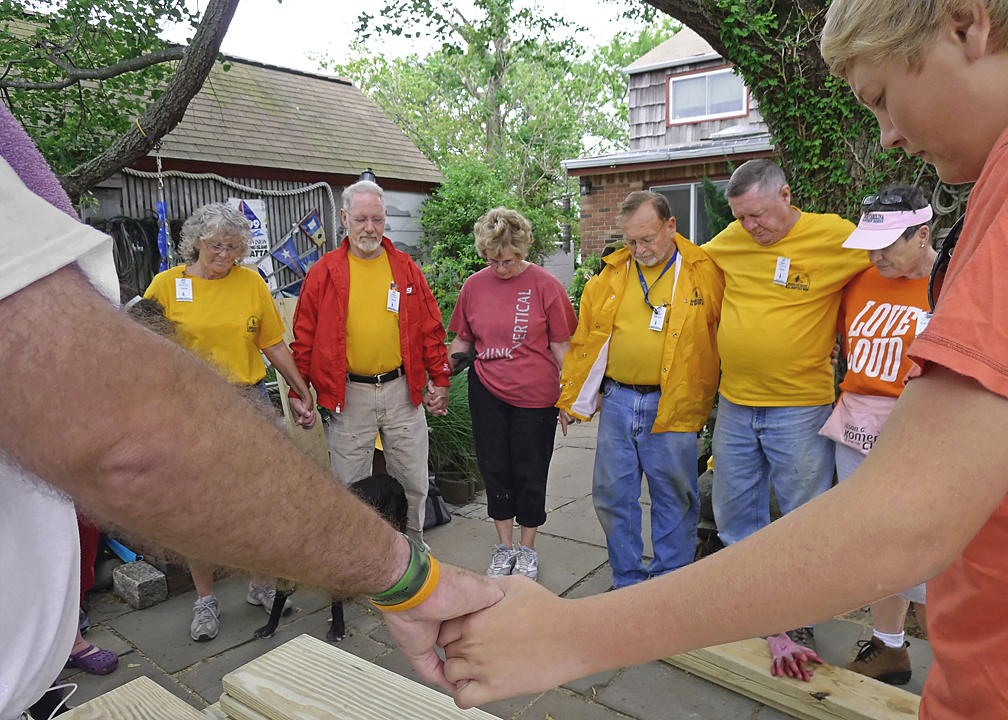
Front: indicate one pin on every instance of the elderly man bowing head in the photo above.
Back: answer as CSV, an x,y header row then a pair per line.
x,y
367,336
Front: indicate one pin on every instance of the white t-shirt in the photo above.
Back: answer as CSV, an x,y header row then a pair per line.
x,y
39,544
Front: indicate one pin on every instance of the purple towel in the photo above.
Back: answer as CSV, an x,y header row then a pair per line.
x,y
21,154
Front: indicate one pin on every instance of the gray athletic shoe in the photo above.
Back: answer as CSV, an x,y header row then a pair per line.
x,y
206,620
526,563
264,595
804,636
502,562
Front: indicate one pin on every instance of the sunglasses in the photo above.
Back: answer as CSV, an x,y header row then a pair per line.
x,y
941,263
882,199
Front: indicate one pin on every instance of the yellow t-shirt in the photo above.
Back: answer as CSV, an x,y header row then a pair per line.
x,y
775,339
372,338
635,351
227,322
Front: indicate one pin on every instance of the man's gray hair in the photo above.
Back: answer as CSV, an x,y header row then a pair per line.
x,y
759,172
358,187
210,221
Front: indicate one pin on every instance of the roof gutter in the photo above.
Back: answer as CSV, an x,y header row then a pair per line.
x,y
604,162
677,62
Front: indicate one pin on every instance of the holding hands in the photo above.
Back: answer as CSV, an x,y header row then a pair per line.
x,y
435,399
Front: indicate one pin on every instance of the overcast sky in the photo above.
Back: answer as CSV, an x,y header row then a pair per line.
x,y
283,34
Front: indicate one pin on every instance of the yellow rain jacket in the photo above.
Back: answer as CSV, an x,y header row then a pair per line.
x,y
690,365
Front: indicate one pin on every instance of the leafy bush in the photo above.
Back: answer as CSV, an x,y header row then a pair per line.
x,y
719,213
471,188
584,272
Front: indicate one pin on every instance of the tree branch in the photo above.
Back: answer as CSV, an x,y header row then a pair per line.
x,y
166,112
76,74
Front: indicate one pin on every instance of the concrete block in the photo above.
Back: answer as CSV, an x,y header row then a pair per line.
x,y
139,584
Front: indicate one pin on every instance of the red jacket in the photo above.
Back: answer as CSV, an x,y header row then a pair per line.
x,y
319,345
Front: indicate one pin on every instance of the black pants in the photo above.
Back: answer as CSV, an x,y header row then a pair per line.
x,y
514,447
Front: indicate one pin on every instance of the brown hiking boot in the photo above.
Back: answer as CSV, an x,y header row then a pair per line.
x,y
804,636
886,664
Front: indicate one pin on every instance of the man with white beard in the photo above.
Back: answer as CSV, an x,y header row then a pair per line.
x,y
368,337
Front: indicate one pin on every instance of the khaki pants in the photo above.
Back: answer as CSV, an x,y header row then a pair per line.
x,y
386,408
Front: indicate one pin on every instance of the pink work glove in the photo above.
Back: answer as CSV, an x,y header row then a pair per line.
x,y
789,658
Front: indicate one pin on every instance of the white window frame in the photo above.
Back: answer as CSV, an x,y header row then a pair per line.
x,y
670,93
693,185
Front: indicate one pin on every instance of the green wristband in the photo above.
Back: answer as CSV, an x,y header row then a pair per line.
x,y
413,579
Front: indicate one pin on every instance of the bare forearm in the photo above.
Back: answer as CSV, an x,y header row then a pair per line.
x,y
281,358
148,437
904,516
559,350
458,345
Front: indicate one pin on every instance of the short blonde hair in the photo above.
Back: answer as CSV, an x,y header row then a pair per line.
x,y
503,228
882,30
209,221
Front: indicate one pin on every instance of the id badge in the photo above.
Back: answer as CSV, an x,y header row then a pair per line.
x,y
183,289
781,273
658,318
393,300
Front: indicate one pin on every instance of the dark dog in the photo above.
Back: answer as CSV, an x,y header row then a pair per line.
x,y
386,495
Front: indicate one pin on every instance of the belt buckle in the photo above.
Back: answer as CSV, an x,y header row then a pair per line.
x,y
378,379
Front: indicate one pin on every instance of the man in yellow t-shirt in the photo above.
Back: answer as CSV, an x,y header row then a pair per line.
x,y
784,273
367,334
647,342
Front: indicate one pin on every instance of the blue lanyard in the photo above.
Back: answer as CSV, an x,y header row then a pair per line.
x,y
643,284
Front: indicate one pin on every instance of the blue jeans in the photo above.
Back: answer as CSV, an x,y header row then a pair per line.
x,y
754,446
626,447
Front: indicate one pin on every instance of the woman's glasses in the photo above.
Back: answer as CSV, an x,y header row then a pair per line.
x,y
882,199
941,263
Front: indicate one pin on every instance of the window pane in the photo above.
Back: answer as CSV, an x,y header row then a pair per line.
x,y
689,97
726,93
679,200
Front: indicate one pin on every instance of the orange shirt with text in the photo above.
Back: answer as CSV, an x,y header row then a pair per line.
x,y
967,604
878,321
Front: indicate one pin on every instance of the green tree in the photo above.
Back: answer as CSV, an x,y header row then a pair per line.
x,y
83,76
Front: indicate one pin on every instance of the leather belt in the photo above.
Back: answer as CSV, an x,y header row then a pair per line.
x,y
642,389
376,379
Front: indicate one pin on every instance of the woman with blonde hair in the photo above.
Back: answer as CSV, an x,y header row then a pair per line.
x,y
517,320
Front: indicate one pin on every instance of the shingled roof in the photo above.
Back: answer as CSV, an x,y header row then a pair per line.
x,y
266,116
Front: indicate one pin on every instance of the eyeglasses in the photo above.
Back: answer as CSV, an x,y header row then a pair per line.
x,y
218,247
377,220
649,241
937,279
507,264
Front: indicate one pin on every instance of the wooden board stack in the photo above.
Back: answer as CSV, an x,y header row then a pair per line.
x,y
833,693
308,679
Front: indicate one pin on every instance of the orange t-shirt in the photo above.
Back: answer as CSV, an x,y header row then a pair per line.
x,y
878,321
968,602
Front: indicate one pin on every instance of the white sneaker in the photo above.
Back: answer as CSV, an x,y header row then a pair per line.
x,y
264,595
526,563
502,562
206,620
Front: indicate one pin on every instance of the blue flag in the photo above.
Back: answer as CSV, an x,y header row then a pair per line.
x,y
162,235
287,254
308,260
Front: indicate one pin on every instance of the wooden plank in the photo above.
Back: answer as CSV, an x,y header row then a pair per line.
x,y
235,710
140,699
308,679
832,694
311,442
